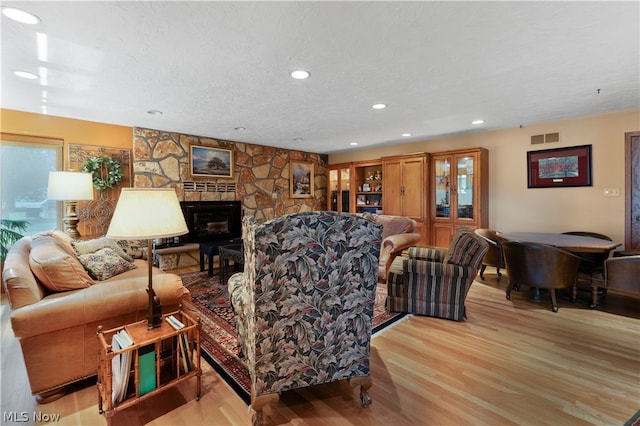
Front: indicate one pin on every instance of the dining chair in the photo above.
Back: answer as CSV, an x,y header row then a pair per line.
x,y
541,267
495,255
591,268
621,274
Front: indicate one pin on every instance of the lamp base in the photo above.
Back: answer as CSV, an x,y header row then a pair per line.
x,y
154,313
71,219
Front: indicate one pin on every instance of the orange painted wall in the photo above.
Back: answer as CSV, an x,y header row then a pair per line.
x,y
71,131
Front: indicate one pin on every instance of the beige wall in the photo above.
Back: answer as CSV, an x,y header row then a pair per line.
x,y
513,206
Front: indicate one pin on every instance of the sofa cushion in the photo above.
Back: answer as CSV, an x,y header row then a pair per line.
x,y
54,267
463,248
105,263
92,246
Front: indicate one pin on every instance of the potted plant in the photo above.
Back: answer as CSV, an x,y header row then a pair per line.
x,y
10,232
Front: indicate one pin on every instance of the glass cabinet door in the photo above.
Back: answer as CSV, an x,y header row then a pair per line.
x,y
345,184
338,189
443,188
465,166
333,190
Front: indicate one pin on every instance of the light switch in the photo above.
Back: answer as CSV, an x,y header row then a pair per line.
x,y
611,192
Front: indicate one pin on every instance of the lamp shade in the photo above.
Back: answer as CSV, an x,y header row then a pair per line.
x,y
70,186
147,213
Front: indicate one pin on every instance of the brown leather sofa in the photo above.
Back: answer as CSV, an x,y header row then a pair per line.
x,y
398,234
57,329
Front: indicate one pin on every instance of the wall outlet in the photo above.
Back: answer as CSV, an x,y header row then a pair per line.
x,y
274,195
611,192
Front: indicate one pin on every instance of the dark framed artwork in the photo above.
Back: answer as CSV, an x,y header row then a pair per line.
x,y
301,180
210,162
559,167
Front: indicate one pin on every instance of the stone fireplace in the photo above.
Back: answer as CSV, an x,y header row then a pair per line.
x,y
259,186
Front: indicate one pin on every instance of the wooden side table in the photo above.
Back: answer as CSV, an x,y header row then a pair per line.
x,y
233,252
210,249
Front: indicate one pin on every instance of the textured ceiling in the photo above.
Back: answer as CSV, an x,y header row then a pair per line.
x,y
211,67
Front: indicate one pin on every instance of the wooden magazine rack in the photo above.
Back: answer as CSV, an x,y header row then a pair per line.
x,y
175,358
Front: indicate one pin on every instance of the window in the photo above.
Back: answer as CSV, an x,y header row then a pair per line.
x,y
25,163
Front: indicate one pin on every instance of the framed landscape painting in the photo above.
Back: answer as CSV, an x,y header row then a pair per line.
x,y
301,180
559,167
210,162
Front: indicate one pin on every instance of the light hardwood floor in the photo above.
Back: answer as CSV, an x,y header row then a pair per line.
x,y
511,362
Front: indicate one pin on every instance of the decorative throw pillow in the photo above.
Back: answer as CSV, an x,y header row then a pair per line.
x,y
463,248
105,263
92,246
56,269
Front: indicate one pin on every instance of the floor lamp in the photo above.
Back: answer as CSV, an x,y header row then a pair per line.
x,y
70,187
147,214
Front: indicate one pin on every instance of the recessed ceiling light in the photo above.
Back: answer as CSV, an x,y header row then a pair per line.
x,y
300,74
379,106
239,128
353,143
20,15
406,135
298,139
477,122
154,112
25,74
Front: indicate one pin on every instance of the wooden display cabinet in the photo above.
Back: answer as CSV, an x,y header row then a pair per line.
x,y
367,181
459,193
339,188
168,362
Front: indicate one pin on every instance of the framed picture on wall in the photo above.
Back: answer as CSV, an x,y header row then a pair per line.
x,y
301,180
559,167
210,162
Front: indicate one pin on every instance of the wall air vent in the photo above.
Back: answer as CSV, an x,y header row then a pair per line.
x,y
548,138
552,137
537,139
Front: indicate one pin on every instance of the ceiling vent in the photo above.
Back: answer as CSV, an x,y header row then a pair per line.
x,y
548,138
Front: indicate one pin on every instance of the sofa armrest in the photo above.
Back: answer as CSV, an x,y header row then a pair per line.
x,y
98,302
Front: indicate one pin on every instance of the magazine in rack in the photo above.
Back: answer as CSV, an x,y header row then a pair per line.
x,y
121,365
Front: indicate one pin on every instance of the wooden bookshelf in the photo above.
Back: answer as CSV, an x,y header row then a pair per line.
x,y
171,366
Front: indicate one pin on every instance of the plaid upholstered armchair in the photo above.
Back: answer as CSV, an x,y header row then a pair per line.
x,y
304,302
435,282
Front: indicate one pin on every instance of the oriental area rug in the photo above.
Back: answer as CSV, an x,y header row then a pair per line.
x,y
219,346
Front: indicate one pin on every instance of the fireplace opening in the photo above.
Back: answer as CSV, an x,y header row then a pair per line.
x,y
210,221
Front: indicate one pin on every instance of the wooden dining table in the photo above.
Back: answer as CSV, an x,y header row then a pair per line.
x,y
572,243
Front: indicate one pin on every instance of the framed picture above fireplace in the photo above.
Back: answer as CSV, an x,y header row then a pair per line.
x,y
301,176
210,162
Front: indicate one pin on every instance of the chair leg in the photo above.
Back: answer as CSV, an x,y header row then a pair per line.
x,y
498,271
257,404
509,287
553,300
365,383
574,293
482,271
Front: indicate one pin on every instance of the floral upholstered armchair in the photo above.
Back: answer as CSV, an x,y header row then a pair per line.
x,y
305,300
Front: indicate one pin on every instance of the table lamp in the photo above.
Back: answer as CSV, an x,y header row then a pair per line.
x,y
70,187
147,214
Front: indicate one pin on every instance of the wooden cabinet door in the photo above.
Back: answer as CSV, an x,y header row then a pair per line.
x,y
413,188
392,187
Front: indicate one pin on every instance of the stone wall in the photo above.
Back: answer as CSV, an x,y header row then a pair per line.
x,y
260,177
